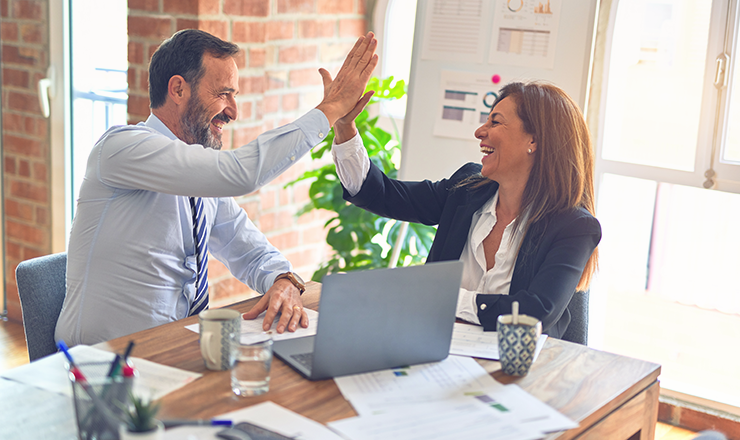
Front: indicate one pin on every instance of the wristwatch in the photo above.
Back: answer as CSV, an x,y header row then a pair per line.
x,y
293,278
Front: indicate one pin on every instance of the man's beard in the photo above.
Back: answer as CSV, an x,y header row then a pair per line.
x,y
196,130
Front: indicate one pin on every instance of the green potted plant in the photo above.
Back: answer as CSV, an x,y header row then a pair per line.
x,y
362,240
140,422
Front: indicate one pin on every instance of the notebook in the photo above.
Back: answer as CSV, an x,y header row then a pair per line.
x,y
378,319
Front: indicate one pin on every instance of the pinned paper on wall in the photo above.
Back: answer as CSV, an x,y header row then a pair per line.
x,y
525,33
465,102
456,30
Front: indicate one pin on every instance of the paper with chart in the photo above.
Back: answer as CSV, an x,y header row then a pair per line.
x,y
471,340
254,326
455,30
387,390
525,33
465,100
50,373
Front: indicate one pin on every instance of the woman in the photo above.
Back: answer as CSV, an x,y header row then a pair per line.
x,y
521,221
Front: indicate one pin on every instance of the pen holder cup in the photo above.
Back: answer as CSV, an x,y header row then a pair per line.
x,y
517,343
99,400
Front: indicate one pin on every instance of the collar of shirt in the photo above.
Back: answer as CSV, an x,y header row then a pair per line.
x,y
157,124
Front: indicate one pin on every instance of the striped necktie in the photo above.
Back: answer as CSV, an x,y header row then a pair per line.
x,y
200,302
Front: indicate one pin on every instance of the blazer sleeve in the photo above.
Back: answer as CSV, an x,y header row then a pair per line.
x,y
417,202
546,273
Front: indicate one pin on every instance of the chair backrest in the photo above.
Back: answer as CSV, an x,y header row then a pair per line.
x,y
577,330
41,287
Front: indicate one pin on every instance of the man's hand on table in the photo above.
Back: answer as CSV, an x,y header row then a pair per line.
x,y
283,297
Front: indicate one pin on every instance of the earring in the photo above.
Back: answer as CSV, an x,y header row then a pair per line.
x,y
530,151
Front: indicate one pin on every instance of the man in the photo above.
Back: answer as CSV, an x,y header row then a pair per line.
x,y
157,197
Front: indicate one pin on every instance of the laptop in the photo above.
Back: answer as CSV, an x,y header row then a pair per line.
x,y
378,319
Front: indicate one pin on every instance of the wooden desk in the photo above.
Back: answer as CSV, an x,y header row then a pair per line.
x,y
610,396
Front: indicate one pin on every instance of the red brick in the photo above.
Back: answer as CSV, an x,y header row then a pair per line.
x,y
26,233
296,6
335,6
304,77
144,82
241,59
10,165
24,168
285,240
245,110
26,56
230,290
13,250
18,210
248,8
276,79
244,135
313,234
279,30
297,54
290,102
40,172
4,8
149,27
29,191
15,77
251,84
138,105
257,56
42,216
361,7
135,52
28,9
352,27
23,146
248,32
268,198
271,104
133,84
218,28
285,196
181,7
13,122
186,23
216,269
226,139
32,33
9,31
144,5
303,258
316,28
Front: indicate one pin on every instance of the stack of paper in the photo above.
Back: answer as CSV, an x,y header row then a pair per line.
x,y
452,399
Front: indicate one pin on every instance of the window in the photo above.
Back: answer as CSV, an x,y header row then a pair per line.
x,y
93,76
667,130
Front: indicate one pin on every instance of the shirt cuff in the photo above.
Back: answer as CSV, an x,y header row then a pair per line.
x,y
467,307
353,163
314,125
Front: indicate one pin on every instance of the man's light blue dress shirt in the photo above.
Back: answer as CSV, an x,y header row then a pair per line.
x,y
131,257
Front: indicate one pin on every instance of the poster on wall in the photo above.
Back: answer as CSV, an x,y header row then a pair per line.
x,y
465,102
525,33
456,30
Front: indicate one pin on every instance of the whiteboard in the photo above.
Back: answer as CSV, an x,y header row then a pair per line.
x,y
471,41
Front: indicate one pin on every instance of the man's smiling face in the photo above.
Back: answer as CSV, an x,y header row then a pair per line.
x,y
212,103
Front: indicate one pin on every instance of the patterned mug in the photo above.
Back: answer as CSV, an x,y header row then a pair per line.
x,y
219,328
517,343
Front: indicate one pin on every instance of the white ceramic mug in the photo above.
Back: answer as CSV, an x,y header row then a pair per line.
x,y
219,328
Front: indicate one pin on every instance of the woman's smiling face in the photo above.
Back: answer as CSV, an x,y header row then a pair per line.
x,y
508,149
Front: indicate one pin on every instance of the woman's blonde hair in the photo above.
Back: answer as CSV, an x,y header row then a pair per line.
x,y
562,176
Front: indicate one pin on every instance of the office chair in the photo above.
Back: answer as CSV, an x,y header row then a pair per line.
x,y
578,328
42,286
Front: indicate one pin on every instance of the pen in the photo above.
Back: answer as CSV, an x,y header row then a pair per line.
x,y
114,366
128,351
184,422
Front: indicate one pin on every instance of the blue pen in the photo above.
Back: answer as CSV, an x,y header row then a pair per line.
x,y
186,422
62,346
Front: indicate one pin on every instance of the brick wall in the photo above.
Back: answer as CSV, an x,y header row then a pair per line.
x,y
25,137
283,43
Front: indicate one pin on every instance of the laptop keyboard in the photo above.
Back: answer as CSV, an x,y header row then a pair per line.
x,y
305,359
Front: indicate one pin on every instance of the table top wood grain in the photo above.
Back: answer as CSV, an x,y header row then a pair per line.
x,y
582,383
